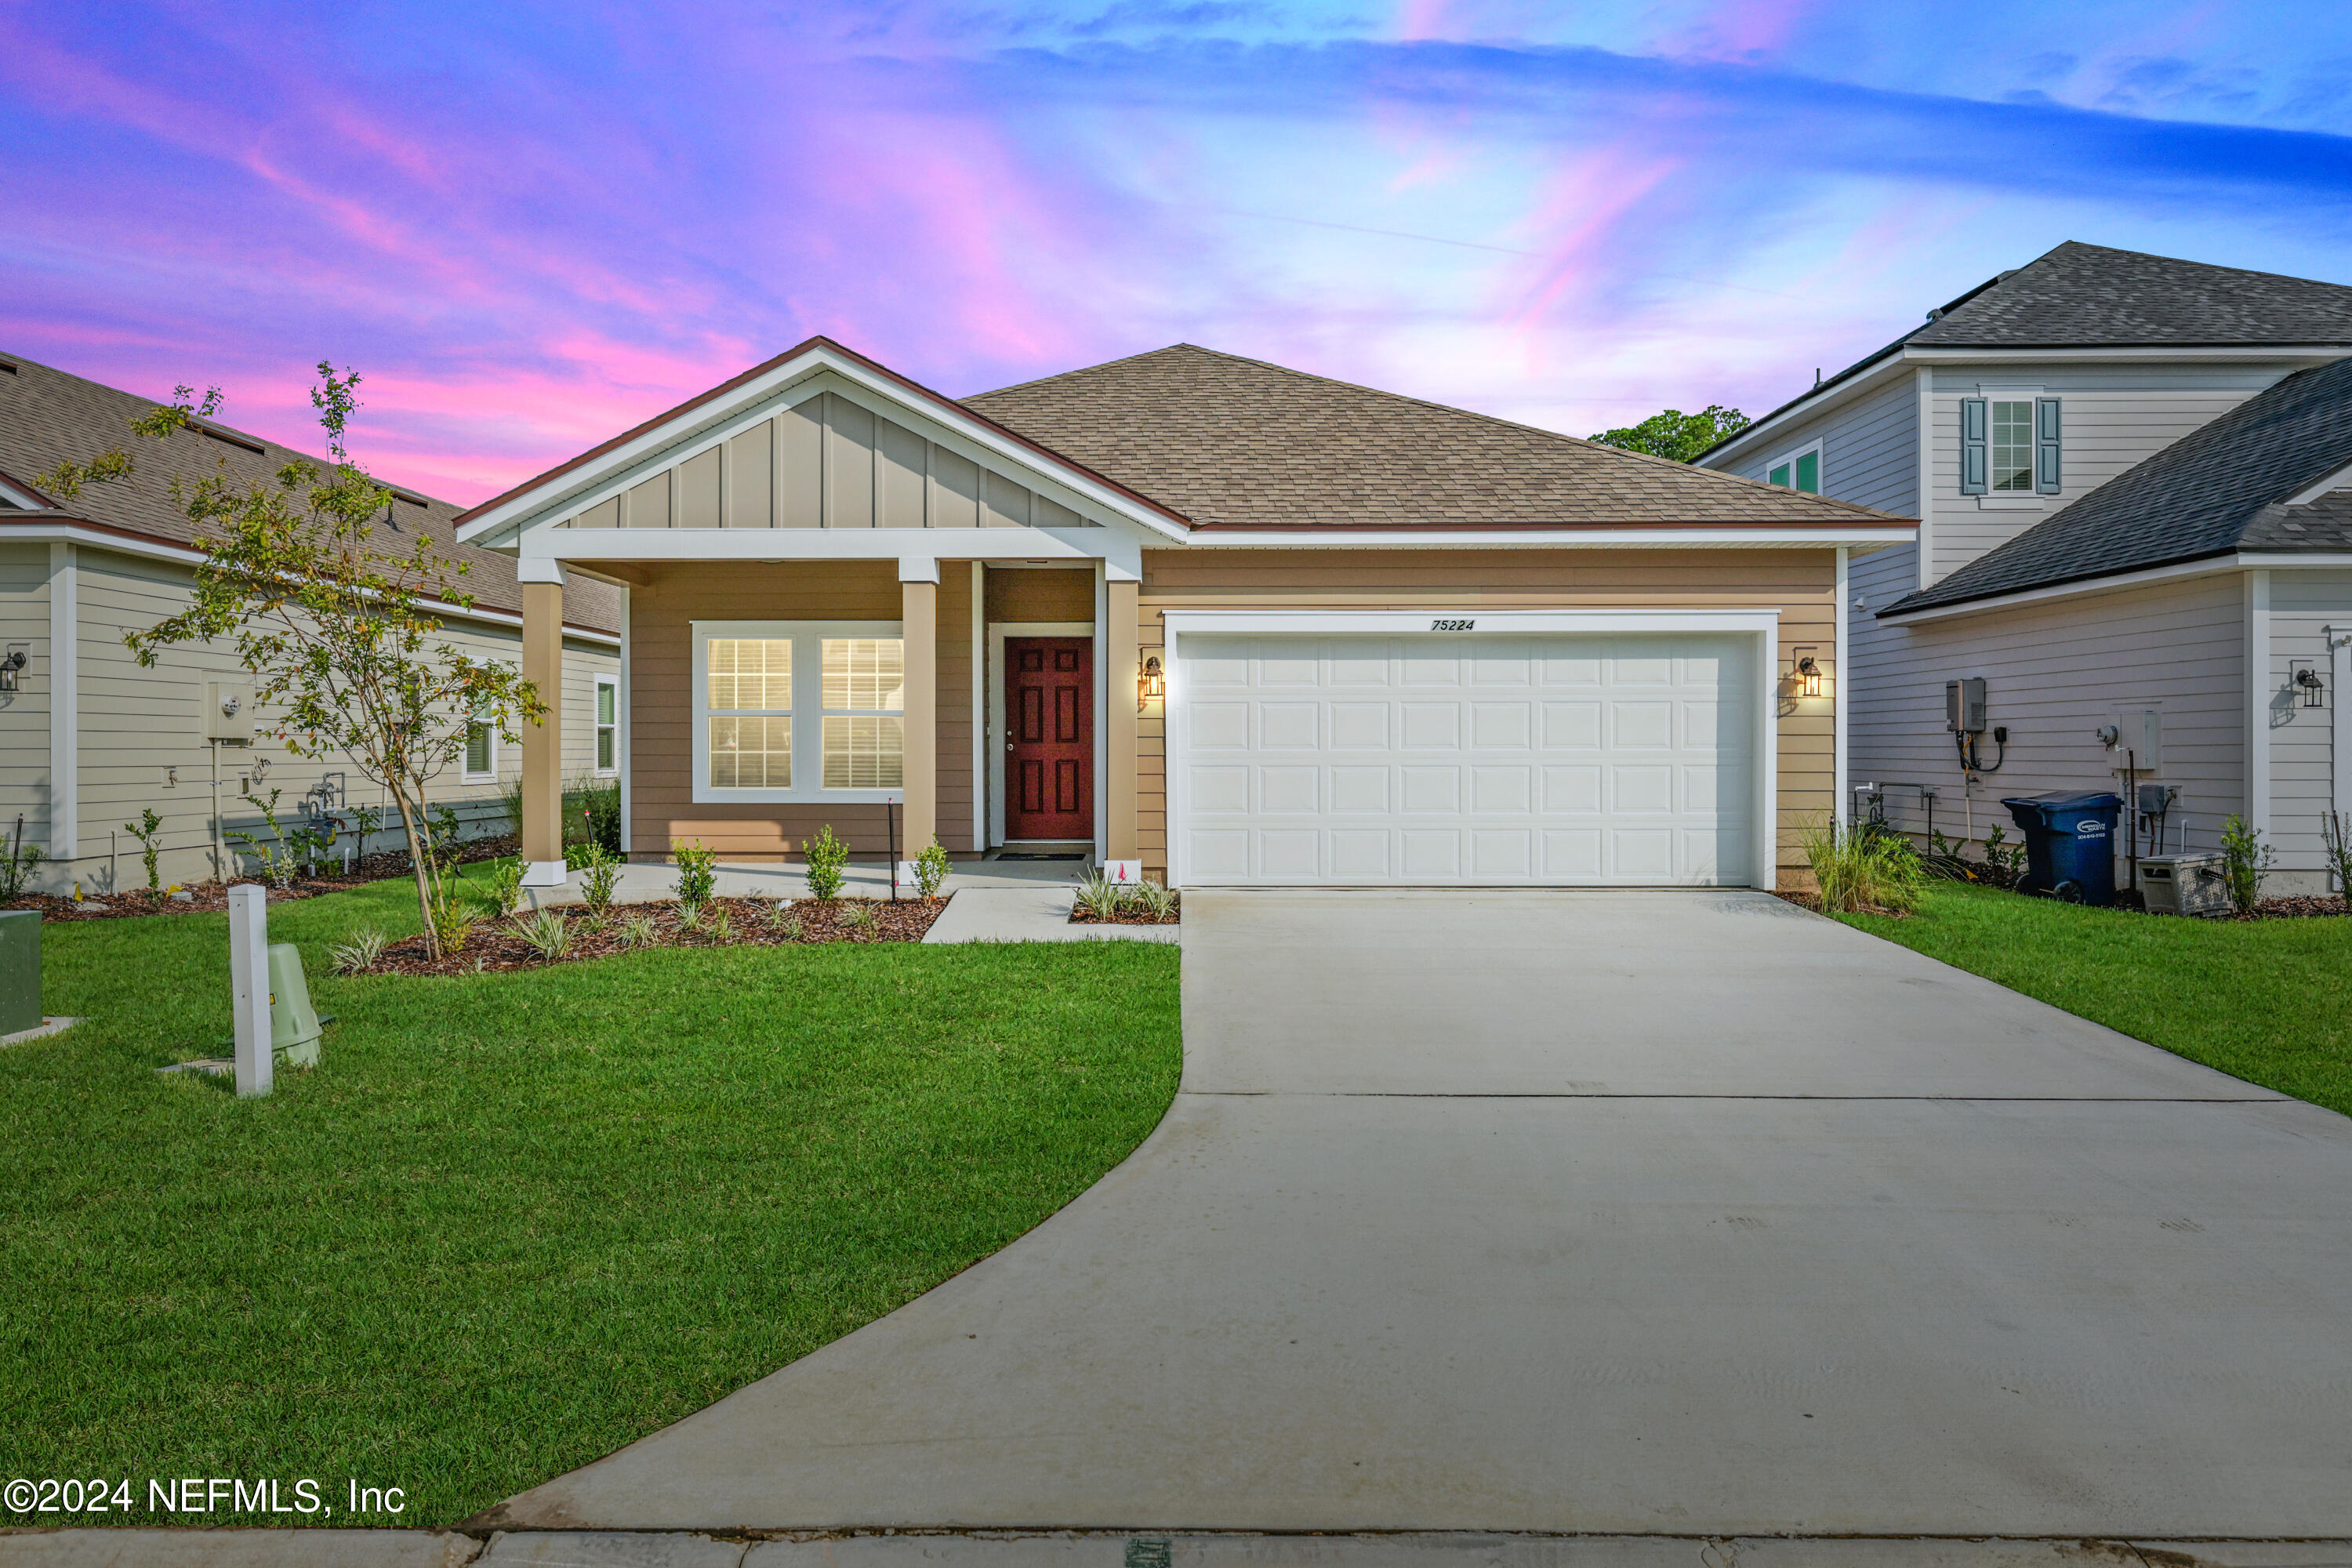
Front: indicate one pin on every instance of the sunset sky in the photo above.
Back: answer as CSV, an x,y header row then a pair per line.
x,y
530,224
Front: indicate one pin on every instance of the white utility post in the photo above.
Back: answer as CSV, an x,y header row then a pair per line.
x,y
249,965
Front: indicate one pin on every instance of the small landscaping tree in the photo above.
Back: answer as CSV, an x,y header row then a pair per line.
x,y
2246,861
341,632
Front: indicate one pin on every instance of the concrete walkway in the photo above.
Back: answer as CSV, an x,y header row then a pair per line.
x,y
1676,1215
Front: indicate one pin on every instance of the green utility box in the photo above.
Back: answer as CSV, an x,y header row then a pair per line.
x,y
293,1022
20,970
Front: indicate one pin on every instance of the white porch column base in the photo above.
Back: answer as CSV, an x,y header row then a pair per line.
x,y
544,873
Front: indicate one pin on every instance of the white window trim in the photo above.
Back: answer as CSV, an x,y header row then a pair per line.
x,y
594,724
1820,466
808,711
1763,625
467,774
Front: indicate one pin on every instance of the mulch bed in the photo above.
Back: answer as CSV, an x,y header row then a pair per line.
x,y
212,897
1127,915
500,946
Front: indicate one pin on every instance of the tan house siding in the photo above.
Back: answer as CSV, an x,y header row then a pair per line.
x,y
1801,583
1030,594
661,617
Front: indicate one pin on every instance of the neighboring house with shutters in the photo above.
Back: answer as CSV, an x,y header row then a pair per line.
x,y
2132,477
1198,615
88,739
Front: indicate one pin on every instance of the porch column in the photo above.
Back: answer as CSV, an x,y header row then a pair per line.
x,y
542,743
919,610
1123,639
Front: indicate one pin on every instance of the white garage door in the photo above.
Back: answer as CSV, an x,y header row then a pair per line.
x,y
1425,761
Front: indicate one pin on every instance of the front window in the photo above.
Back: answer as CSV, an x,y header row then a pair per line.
x,y
865,692
796,710
481,751
2012,445
750,711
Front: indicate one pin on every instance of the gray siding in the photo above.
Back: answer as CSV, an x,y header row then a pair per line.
x,y
2303,760
2113,416
827,461
137,725
2054,673
1867,450
25,712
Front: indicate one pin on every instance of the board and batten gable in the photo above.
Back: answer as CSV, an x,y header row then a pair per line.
x,y
1799,584
828,461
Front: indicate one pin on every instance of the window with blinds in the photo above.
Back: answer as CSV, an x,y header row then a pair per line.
x,y
864,726
749,708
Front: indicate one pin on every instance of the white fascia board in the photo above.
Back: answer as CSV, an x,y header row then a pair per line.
x,y
2212,566
1470,620
700,429
180,556
1723,536
1821,400
1119,547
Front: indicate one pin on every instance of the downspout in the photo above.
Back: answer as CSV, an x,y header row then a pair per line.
x,y
1842,811
2339,680
2258,701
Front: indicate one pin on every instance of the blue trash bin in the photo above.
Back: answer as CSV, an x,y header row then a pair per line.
x,y
2070,844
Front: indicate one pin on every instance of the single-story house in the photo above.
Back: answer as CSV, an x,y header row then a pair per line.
x,y
89,740
1196,616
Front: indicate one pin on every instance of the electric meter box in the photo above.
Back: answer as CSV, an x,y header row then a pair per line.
x,y
2184,885
1963,706
228,708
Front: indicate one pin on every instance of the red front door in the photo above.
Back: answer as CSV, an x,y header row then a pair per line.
x,y
1049,751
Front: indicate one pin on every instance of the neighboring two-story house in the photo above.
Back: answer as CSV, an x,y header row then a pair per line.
x,y
88,739
2134,481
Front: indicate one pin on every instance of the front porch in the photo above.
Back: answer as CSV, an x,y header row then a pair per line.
x,y
899,701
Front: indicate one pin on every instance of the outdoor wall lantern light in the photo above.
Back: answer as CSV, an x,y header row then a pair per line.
x,y
9,667
1809,674
2308,683
1151,684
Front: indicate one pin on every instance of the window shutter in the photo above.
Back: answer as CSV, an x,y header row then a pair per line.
x,y
1976,460
2047,472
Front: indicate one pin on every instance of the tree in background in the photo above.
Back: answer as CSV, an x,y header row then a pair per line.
x,y
339,632
1676,433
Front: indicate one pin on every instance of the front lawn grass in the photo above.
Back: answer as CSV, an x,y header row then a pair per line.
x,y
516,1221
2266,1001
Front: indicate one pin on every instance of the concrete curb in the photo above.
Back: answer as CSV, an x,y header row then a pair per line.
x,y
1114,1549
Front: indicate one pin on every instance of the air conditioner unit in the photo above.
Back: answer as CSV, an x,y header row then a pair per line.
x,y
2185,885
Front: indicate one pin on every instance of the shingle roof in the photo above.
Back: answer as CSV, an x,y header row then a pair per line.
x,y
2088,296
1232,442
48,416
2220,489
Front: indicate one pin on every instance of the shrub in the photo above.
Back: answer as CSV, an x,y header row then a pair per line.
x,y
931,870
637,930
361,952
1159,901
599,878
722,925
690,918
1099,896
17,864
547,933
502,893
1858,869
594,806
826,855
698,872
2246,861
2335,833
858,920
452,913
149,831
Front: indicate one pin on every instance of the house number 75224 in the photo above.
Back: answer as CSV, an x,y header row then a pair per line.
x,y
1453,625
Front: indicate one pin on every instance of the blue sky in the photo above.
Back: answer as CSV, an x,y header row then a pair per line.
x,y
530,225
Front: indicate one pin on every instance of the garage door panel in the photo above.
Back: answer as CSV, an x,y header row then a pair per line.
x,y
1522,760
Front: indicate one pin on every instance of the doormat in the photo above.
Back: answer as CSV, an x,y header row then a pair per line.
x,y
1079,855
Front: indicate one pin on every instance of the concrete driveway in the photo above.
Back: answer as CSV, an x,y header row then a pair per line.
x,y
1678,1213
